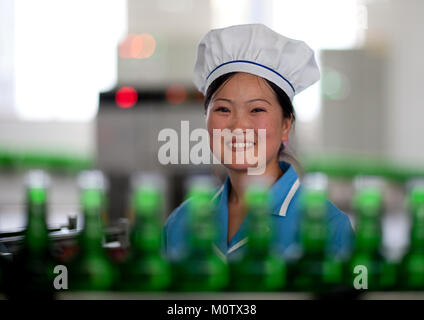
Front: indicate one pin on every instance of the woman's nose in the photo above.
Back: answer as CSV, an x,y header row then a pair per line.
x,y
240,120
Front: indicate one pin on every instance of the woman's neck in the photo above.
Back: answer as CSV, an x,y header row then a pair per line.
x,y
238,179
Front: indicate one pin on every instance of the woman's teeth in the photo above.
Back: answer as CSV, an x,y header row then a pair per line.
x,y
241,145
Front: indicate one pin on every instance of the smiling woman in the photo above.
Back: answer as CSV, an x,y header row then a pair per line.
x,y
272,95
249,75
254,104
245,101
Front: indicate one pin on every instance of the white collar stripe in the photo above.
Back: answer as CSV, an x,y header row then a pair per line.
x,y
219,253
289,197
237,245
217,193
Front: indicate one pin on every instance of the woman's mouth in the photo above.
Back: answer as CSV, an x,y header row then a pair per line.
x,y
240,146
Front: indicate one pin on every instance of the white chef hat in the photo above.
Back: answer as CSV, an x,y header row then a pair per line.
x,y
255,49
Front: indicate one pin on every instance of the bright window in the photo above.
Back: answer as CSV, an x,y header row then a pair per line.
x,y
324,24
65,54
226,13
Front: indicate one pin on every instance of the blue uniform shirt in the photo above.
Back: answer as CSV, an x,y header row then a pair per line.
x,y
285,219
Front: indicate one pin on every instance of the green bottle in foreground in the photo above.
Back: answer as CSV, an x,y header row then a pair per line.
x,y
32,269
258,268
411,275
201,268
146,269
368,268
317,270
91,268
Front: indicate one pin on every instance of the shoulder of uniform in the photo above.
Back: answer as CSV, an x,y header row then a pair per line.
x,y
342,233
334,212
177,213
182,208
338,217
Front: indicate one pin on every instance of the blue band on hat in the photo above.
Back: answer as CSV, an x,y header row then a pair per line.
x,y
258,64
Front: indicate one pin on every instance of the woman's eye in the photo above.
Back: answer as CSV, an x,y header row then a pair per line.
x,y
222,109
258,110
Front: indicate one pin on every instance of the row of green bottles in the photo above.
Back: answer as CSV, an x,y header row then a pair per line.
x,y
258,269
201,268
382,273
144,268
91,268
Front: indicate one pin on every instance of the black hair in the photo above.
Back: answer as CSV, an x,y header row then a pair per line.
x,y
282,97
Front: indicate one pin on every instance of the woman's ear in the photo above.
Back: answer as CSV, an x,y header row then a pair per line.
x,y
287,122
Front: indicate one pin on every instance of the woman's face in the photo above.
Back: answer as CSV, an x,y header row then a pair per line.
x,y
243,102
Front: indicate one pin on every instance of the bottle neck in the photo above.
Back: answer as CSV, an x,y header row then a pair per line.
x,y
36,234
145,236
314,222
92,234
369,211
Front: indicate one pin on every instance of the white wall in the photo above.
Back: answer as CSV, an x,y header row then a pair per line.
x,y
397,26
6,59
71,138
177,28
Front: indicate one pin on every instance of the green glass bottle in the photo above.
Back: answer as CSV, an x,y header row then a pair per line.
x,y
146,269
368,259
32,271
317,270
200,268
412,266
259,268
91,268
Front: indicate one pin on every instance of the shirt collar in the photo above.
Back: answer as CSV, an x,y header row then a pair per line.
x,y
282,191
